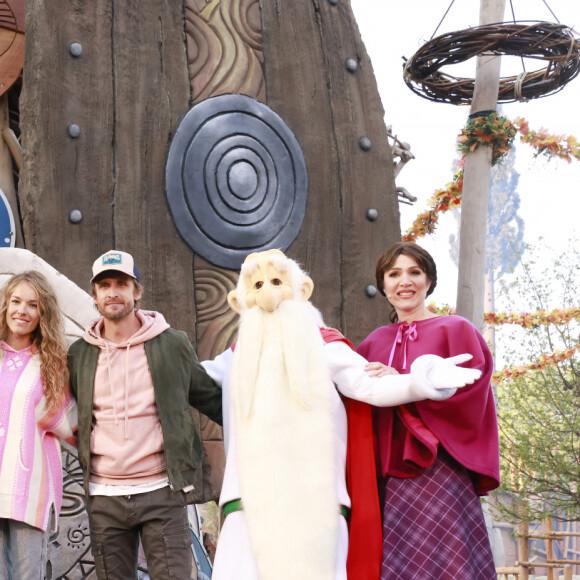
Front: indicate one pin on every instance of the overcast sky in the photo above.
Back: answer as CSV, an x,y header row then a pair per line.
x,y
549,191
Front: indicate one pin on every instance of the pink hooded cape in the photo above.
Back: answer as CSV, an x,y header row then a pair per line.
x,y
465,424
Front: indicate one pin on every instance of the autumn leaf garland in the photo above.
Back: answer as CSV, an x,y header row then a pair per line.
x,y
498,133
534,319
560,146
443,200
526,320
544,361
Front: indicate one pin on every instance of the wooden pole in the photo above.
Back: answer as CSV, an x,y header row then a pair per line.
x,y
523,548
550,552
477,171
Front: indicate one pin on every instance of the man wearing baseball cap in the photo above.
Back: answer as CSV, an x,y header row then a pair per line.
x,y
134,378
115,261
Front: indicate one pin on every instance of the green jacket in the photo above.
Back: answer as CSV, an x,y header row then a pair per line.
x,y
179,381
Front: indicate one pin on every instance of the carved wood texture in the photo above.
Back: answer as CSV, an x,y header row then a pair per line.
x,y
224,56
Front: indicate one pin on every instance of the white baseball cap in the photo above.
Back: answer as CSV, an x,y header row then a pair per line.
x,y
116,261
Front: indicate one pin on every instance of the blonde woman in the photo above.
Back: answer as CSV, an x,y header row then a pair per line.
x,y
36,410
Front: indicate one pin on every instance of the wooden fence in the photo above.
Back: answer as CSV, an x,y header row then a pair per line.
x,y
521,569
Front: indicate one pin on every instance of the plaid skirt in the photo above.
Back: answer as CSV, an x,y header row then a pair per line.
x,y
433,526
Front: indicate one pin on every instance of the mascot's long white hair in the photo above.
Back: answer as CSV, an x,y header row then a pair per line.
x,y
284,403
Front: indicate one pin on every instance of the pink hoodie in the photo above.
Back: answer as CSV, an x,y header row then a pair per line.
x,y
126,440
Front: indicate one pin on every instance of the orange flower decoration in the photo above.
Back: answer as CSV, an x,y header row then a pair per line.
x,y
498,133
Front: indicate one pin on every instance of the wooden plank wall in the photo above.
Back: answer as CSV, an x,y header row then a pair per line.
x,y
126,92
143,64
306,46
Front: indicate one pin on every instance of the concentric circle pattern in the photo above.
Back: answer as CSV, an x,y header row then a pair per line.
x,y
236,180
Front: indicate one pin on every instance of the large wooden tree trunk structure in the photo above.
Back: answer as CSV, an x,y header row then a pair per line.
x,y
142,66
125,94
106,84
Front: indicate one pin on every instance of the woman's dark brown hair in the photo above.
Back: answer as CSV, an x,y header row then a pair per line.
x,y
412,250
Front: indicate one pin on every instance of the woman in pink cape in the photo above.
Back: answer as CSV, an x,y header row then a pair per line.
x,y
435,457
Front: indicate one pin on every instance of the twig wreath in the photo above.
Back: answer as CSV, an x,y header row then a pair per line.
x,y
554,44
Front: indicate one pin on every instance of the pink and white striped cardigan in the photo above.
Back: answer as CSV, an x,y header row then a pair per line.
x,y
31,467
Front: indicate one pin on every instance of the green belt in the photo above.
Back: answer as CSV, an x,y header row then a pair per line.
x,y
236,505
232,506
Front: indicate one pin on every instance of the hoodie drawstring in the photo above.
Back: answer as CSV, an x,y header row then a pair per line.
x,y
111,384
127,392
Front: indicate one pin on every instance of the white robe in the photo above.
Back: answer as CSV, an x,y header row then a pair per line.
x,y
234,559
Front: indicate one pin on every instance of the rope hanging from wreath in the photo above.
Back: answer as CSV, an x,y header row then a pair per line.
x,y
556,45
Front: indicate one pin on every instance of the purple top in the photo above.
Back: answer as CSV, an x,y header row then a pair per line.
x,y
466,424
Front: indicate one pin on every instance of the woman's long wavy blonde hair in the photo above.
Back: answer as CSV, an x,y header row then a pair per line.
x,y
48,336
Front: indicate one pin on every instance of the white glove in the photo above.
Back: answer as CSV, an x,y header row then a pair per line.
x,y
438,378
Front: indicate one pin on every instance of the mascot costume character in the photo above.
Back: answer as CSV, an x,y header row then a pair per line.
x,y
284,493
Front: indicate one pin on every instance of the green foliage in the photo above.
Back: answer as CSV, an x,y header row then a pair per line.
x,y
539,414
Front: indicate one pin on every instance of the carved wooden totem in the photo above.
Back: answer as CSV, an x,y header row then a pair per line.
x,y
191,132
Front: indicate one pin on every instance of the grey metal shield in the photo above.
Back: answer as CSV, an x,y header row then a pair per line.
x,y
236,180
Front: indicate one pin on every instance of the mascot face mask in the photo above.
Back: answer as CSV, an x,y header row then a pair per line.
x,y
267,282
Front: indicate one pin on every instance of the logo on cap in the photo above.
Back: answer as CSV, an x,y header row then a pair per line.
x,y
112,259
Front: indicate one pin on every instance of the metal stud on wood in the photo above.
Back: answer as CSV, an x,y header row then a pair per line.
x,y
365,143
351,65
372,214
74,131
75,49
371,290
75,216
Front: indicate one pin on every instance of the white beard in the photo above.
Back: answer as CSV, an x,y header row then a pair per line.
x,y
282,398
